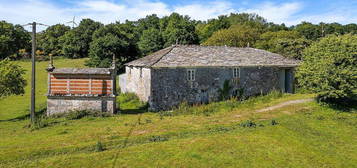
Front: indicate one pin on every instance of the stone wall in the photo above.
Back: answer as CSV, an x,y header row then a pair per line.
x,y
136,80
62,104
170,87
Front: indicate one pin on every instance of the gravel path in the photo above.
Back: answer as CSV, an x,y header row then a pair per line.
x,y
285,104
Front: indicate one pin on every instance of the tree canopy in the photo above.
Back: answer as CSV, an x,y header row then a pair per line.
x,y
49,39
75,43
329,68
12,39
235,36
12,81
288,43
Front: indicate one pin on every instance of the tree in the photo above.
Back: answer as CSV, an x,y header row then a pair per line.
x,y
49,39
309,30
329,68
150,41
102,50
11,79
235,36
12,39
75,43
248,19
118,39
205,30
178,28
287,43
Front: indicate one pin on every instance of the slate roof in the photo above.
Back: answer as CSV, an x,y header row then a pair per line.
x,y
203,56
105,71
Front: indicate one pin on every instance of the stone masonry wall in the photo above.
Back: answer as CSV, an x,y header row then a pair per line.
x,y
62,104
170,87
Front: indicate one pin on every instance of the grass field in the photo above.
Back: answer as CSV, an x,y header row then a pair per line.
x,y
222,134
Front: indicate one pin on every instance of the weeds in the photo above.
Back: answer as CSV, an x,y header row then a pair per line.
x,y
158,138
99,147
248,124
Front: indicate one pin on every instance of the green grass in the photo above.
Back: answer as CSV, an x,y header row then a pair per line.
x,y
222,134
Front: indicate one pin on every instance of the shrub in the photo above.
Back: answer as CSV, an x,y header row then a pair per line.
x,y
248,124
12,81
224,92
99,147
274,122
158,138
329,68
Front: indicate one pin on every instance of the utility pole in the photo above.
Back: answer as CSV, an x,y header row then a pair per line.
x,y
33,72
33,78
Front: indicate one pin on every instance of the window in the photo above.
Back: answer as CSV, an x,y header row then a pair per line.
x,y
191,74
236,72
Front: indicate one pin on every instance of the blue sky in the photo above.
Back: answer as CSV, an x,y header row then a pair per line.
x,y
289,12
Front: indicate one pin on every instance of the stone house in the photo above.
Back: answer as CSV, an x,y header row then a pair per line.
x,y
81,89
195,74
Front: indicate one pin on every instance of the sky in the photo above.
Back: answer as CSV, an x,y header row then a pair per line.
x,y
292,12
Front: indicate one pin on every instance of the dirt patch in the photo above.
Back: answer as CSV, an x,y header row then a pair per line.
x,y
287,103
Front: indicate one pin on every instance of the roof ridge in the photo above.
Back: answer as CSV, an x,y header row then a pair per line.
x,y
173,46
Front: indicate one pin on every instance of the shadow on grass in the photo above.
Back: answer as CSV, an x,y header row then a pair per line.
x,y
345,105
42,111
138,110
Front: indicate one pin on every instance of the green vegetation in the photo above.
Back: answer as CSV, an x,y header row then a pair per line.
x,y
12,39
235,36
329,68
288,43
222,134
11,79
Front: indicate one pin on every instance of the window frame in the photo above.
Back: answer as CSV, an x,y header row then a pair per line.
x,y
191,74
236,72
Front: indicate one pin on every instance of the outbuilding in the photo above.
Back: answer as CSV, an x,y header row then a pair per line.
x,y
196,74
81,89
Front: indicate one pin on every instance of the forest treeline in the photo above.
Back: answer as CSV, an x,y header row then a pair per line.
x,y
133,39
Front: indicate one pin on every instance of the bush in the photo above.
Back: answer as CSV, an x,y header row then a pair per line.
x,y
99,147
329,68
12,81
158,138
248,124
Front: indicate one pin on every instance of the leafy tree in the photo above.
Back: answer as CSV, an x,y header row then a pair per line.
x,y
205,30
49,39
75,43
309,30
248,19
11,79
178,28
350,28
12,39
329,68
102,50
118,39
288,43
150,41
150,21
235,36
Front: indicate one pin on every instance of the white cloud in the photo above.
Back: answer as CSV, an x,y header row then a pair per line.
x,y
205,11
277,13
